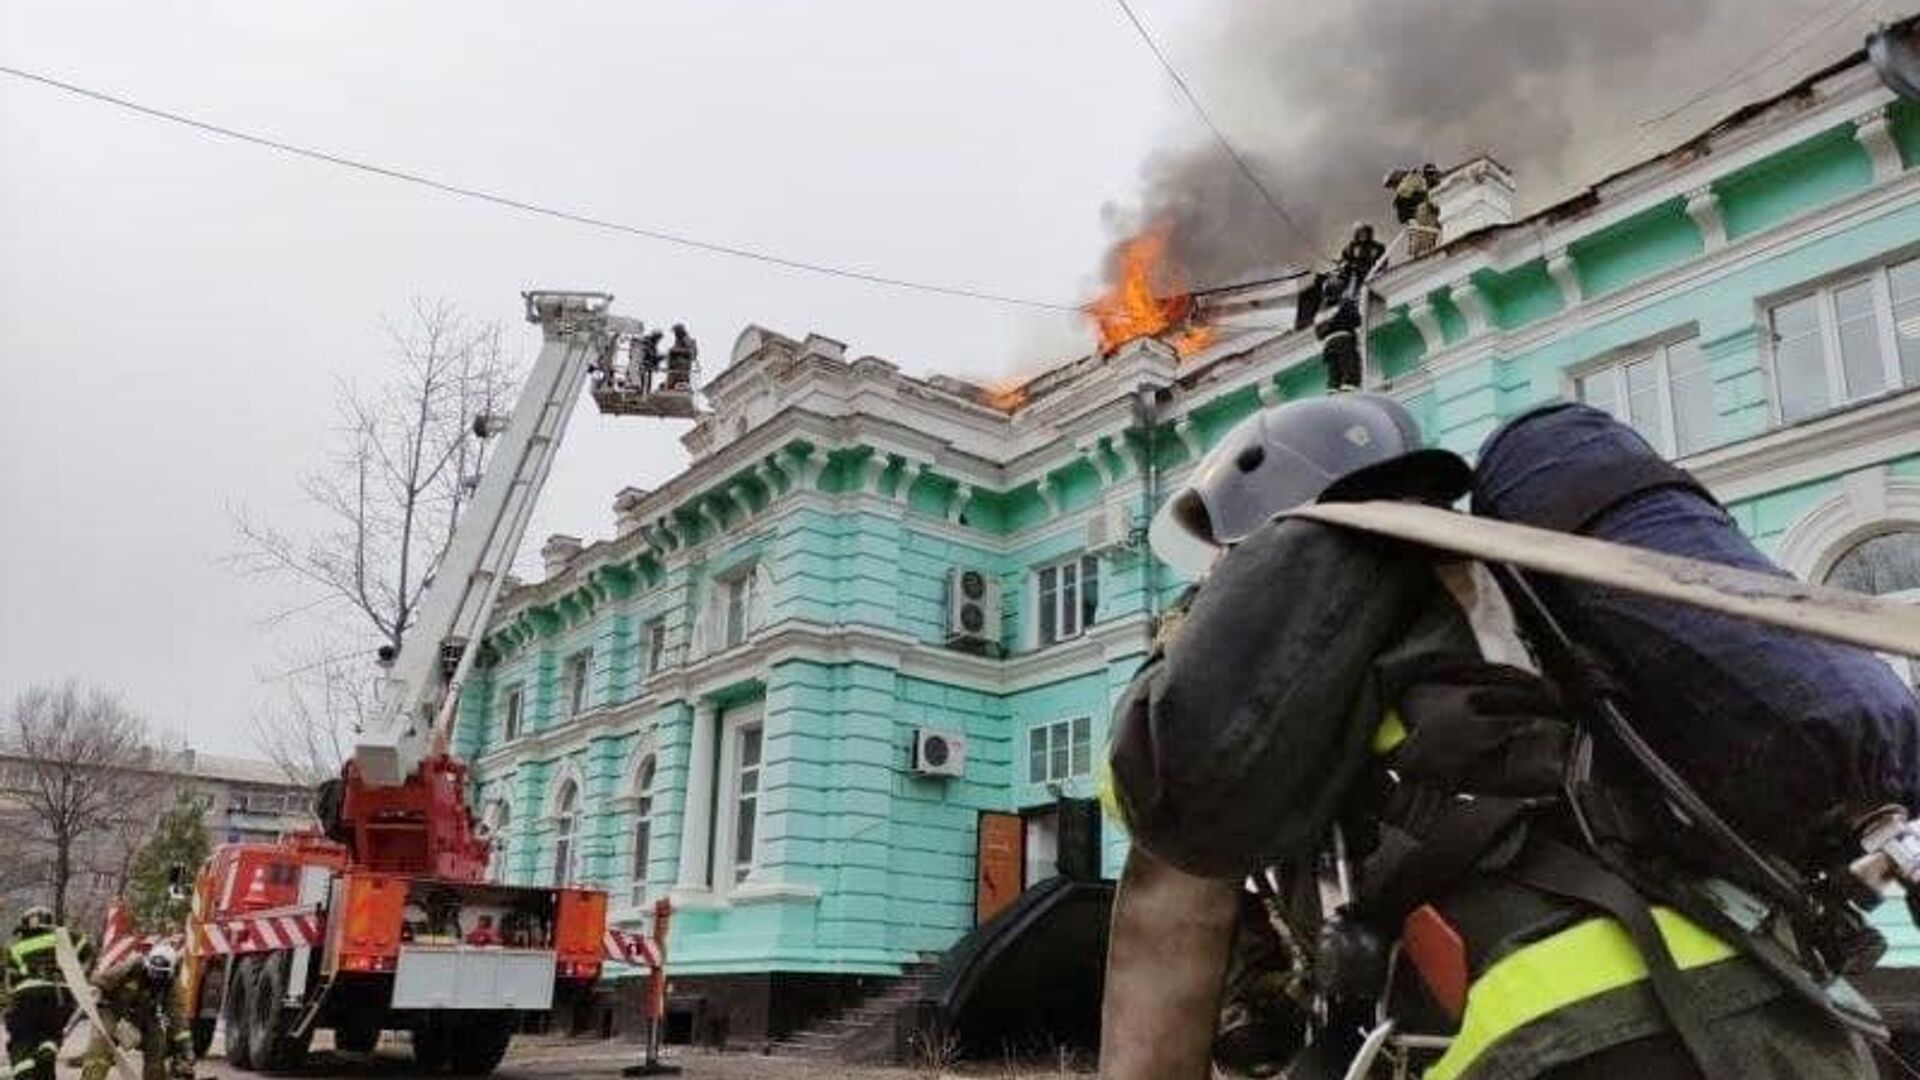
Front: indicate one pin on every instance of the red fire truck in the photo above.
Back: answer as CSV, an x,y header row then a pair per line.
x,y
384,918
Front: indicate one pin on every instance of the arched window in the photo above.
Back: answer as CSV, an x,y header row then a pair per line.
x,y
566,819
1882,565
500,829
642,828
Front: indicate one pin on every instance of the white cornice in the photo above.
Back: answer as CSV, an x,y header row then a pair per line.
x,y
1853,438
1104,643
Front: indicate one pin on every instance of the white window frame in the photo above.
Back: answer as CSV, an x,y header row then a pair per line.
x,y
646,773
513,712
1080,564
653,646
1833,363
576,677
726,872
499,821
1052,733
566,831
1613,366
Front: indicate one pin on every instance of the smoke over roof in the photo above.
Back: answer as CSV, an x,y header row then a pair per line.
x,y
1324,99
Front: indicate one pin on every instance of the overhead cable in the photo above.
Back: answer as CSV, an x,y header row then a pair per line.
x,y
482,195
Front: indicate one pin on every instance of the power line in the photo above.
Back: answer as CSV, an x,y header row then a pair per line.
x,y
482,195
1246,170
1744,70
1740,73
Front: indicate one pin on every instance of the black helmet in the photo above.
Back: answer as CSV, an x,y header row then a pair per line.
x,y
1293,454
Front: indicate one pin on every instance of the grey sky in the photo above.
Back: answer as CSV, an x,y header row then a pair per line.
x,y
174,309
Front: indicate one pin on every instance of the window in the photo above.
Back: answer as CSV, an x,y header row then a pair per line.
x,y
512,705
500,828
1060,751
742,595
1886,565
654,648
746,799
565,834
1066,596
1666,394
642,828
1847,342
574,683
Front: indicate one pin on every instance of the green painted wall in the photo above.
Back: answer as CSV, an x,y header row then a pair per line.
x,y
868,866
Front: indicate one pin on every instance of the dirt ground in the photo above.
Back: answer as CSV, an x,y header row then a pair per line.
x,y
551,1059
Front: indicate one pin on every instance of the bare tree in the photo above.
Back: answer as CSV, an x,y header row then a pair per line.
x,y
305,731
388,497
83,778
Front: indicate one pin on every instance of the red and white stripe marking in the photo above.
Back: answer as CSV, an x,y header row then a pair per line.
x,y
246,934
117,939
629,947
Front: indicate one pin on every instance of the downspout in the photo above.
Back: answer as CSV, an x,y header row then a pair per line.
x,y
1146,417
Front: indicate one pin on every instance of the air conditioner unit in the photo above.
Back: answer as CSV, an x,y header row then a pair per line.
x,y
973,605
939,753
1110,528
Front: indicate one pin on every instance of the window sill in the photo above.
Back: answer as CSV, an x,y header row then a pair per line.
x,y
772,892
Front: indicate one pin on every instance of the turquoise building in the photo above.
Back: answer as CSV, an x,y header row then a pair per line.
x,y
880,619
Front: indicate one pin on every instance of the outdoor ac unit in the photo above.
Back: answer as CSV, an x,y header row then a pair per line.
x,y
939,753
973,605
1110,528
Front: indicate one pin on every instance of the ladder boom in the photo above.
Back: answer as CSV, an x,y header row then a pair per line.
x,y
421,689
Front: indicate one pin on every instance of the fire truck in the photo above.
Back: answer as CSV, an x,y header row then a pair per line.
x,y
384,919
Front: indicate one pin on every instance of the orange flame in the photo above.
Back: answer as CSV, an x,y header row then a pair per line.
x,y
1006,395
1148,299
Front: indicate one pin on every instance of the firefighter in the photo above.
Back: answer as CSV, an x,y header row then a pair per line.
x,y
643,359
1346,754
38,1001
1413,205
139,991
680,357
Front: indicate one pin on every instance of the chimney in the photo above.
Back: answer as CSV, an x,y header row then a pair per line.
x,y
1474,196
557,552
626,509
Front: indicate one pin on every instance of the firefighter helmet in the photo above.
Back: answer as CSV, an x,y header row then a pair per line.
x,y
1365,445
37,919
161,962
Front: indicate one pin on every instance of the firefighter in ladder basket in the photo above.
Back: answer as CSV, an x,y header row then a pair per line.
x,y
1369,827
680,358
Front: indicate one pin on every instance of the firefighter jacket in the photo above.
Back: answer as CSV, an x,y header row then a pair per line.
x,y
31,963
1321,679
153,1009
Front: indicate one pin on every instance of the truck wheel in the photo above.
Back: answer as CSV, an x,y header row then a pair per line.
x,y
234,1013
432,1045
480,1044
271,1043
356,1037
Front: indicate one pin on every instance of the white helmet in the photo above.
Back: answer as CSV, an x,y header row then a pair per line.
x,y
162,961
1291,455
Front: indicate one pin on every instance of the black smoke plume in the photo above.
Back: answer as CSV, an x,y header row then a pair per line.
x,y
1324,99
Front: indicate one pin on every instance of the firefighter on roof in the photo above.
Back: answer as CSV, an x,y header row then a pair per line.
x,y
138,991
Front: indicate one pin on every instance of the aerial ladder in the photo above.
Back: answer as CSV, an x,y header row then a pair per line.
x,y
389,921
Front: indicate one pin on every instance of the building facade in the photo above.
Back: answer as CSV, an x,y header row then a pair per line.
x,y
727,702
246,801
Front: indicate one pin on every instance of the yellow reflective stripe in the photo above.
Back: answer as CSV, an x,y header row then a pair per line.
x,y
1103,791
1582,961
1391,732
